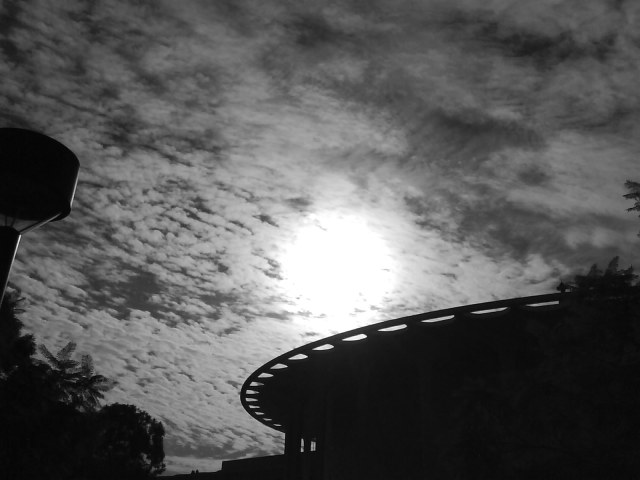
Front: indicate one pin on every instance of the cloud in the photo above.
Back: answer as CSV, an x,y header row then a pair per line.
x,y
485,146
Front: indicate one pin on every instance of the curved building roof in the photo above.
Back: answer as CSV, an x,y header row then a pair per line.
x,y
296,379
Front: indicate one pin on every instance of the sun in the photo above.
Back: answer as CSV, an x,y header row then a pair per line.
x,y
337,266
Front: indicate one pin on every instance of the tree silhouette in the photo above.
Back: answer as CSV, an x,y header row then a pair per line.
x,y
611,281
15,349
77,382
634,194
51,425
129,444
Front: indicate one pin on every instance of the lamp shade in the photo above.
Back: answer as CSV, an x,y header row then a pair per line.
x,y
38,177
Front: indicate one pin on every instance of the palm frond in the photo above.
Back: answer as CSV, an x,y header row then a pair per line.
x,y
64,355
86,364
50,357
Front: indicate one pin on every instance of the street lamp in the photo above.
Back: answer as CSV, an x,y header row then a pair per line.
x,y
38,177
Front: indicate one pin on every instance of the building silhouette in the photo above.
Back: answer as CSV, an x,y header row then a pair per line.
x,y
377,402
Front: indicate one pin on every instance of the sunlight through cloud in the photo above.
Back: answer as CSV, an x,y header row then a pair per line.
x,y
337,266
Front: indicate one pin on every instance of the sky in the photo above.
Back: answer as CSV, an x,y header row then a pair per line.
x,y
259,174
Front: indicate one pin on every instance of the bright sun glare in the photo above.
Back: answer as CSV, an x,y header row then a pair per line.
x,y
336,267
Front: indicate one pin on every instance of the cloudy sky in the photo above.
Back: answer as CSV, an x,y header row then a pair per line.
x,y
258,174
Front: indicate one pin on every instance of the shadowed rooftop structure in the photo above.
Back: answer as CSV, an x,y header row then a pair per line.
x,y
38,177
371,402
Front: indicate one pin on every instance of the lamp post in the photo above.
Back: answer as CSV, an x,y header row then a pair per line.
x,y
38,177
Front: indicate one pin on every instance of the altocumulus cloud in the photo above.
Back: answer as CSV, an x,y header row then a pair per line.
x,y
485,144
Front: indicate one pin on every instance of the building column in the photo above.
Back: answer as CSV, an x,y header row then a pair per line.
x,y
292,449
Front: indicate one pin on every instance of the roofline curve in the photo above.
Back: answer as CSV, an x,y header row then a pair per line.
x,y
250,392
